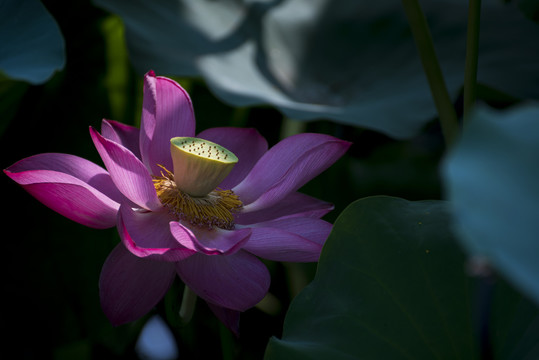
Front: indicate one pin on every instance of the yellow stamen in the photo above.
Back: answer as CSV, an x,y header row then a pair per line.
x,y
213,210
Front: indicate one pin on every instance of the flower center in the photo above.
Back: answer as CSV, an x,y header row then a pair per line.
x,y
199,165
191,193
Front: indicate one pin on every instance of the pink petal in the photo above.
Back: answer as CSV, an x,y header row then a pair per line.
x,y
147,234
237,282
315,230
74,187
82,169
129,287
211,242
73,199
125,135
290,239
127,172
287,166
247,144
167,112
231,318
295,204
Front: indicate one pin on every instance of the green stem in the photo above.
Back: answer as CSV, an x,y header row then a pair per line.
x,y
188,304
423,40
472,45
240,117
291,127
227,343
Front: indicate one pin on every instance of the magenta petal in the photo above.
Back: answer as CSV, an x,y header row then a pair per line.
x,y
211,242
82,169
75,200
147,234
129,287
125,135
231,318
237,282
291,239
315,230
167,112
219,241
287,166
127,172
183,235
295,204
74,187
247,144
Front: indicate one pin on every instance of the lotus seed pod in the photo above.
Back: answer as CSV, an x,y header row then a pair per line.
x,y
199,165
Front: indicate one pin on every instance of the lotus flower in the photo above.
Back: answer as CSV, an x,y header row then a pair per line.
x,y
204,208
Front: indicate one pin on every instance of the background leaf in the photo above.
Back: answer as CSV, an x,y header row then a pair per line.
x,y
31,45
351,62
492,178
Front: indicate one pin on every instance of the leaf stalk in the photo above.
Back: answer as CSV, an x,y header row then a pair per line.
x,y
431,66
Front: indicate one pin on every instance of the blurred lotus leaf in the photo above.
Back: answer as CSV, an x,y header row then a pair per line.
x,y
353,62
31,44
492,181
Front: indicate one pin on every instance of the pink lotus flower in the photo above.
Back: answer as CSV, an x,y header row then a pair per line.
x,y
194,213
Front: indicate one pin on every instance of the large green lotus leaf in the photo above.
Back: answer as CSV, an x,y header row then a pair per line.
x,y
31,45
354,62
492,180
390,285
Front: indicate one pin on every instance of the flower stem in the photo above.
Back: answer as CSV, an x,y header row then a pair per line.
x,y
227,343
188,305
291,127
239,117
472,45
423,40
